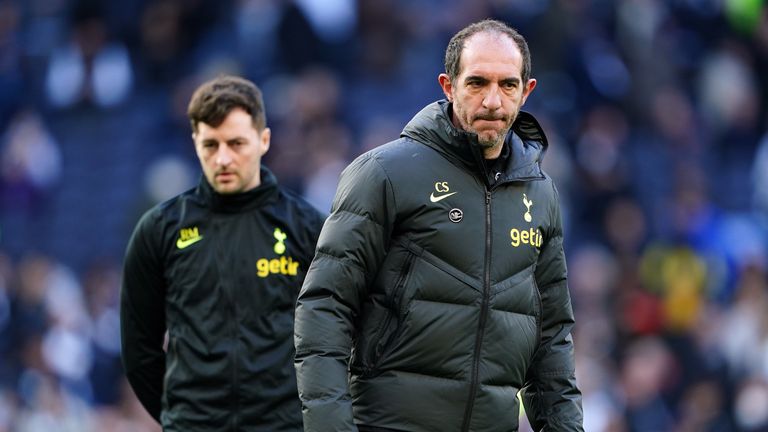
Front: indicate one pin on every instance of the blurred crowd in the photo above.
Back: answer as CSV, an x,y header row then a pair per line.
x,y
656,113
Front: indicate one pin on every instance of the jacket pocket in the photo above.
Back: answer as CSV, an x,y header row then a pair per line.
x,y
537,314
171,377
385,332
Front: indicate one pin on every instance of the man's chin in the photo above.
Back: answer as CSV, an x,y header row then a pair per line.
x,y
489,140
226,188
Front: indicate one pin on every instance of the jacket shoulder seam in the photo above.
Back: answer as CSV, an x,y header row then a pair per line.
x,y
387,178
339,259
341,210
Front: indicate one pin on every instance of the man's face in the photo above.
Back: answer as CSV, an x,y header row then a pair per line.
x,y
230,154
489,92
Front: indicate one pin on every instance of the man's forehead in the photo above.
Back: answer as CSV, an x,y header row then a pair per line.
x,y
492,50
491,43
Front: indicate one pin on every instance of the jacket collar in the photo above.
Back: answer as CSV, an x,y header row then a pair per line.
x,y
257,197
432,126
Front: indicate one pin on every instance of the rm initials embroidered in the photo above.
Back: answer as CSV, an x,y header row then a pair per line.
x,y
188,237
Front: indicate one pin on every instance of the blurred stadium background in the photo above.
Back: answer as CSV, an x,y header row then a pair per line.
x,y
657,115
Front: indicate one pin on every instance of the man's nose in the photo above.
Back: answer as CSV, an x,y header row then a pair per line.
x,y
492,99
223,156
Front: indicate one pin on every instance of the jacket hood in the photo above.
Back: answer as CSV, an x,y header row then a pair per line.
x,y
432,126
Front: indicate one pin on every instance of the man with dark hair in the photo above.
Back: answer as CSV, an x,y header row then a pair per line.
x,y
219,267
438,290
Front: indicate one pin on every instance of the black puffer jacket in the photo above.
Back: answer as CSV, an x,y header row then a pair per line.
x,y
221,273
448,293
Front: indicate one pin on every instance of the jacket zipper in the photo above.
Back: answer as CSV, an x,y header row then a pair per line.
x,y
484,310
236,370
235,355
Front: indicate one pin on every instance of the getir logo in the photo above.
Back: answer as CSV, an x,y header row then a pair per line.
x,y
530,237
283,265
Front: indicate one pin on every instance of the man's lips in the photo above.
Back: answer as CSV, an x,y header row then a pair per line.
x,y
490,118
489,123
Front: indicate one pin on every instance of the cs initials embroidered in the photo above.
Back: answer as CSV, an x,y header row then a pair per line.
x,y
441,187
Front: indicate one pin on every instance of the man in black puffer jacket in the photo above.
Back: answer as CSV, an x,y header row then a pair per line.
x,y
438,290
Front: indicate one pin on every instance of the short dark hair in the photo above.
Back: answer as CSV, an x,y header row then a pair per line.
x,y
457,42
213,100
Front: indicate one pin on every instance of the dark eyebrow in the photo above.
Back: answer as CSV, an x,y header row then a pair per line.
x,y
512,80
476,78
483,80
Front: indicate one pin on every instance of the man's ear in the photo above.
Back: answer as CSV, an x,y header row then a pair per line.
x,y
265,139
529,86
446,85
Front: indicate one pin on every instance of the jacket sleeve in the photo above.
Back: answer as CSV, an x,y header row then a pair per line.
x,y
313,221
352,244
142,316
551,398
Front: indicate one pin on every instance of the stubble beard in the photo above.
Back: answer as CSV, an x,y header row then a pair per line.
x,y
231,187
492,141
487,140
